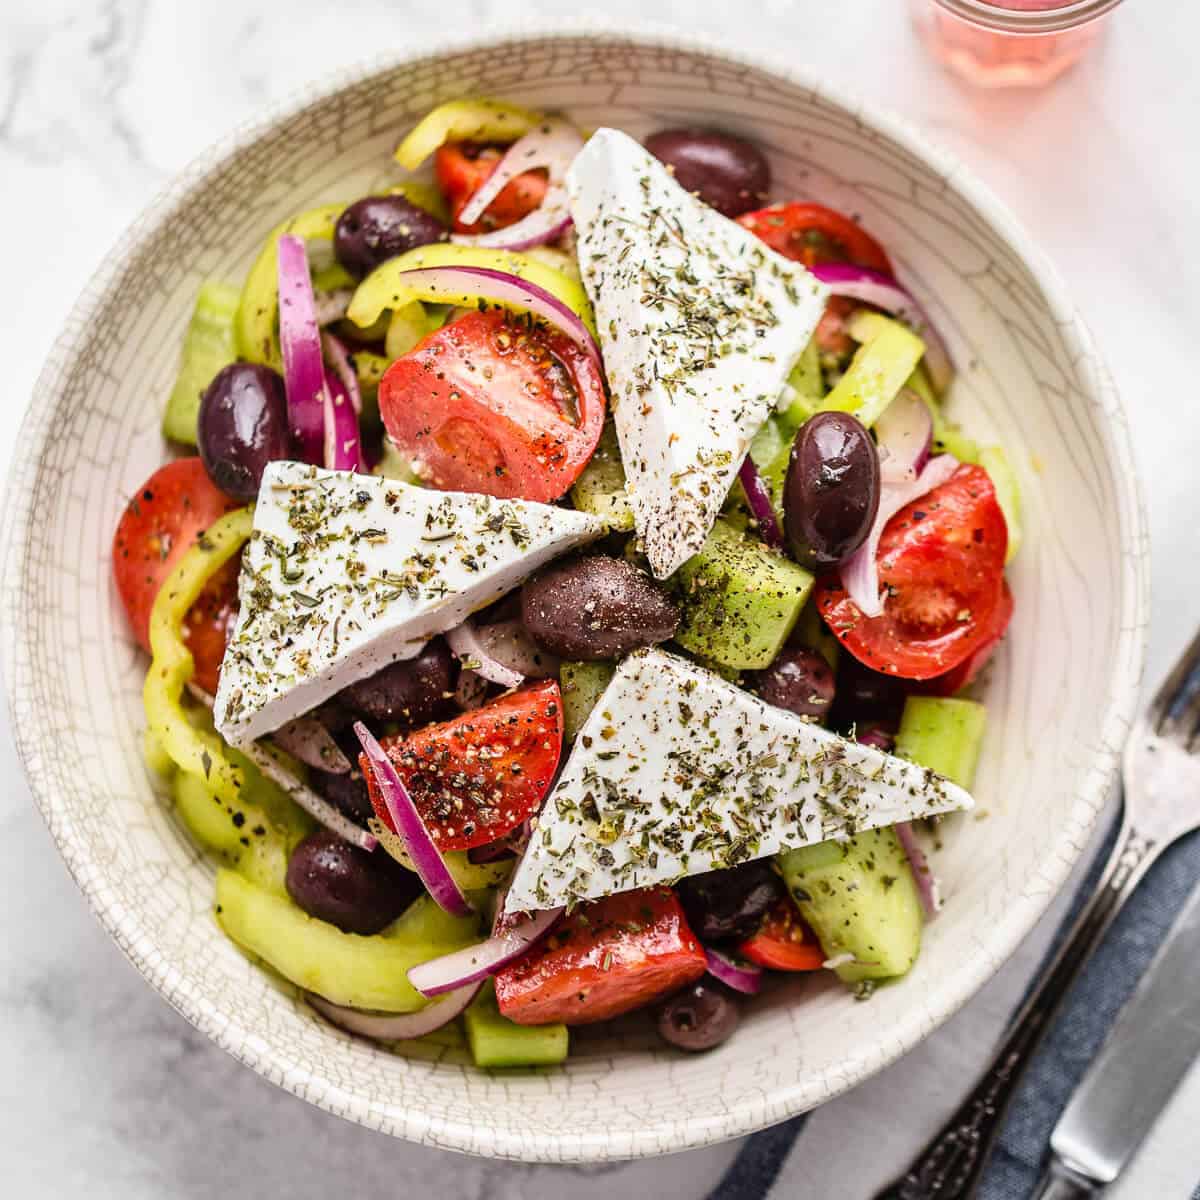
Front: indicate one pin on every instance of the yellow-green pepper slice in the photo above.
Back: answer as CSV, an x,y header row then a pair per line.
x,y
386,287
476,119
885,359
196,751
256,326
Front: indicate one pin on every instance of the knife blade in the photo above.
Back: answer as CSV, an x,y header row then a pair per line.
x,y
1154,1041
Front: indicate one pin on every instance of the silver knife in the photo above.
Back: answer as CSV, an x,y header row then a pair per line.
x,y
1153,1043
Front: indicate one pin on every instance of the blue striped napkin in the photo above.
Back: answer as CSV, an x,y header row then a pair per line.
x,y
1107,982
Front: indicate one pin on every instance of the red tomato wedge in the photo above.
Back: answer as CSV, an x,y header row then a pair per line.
x,y
477,777
166,516
968,670
941,559
608,957
494,403
812,233
462,168
784,943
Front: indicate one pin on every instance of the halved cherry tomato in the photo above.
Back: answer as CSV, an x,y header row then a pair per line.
x,y
784,942
941,560
608,957
477,777
495,403
462,168
166,516
968,670
812,233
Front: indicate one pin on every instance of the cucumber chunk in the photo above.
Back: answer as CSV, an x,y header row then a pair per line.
x,y
995,462
808,383
362,972
600,488
861,899
425,922
942,734
208,346
582,683
740,600
882,364
496,1041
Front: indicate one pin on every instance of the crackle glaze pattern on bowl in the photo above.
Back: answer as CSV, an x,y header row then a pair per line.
x,y
1059,696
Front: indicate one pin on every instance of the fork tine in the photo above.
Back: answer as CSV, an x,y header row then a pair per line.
x,y
1175,709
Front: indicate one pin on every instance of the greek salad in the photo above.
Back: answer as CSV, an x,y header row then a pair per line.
x,y
562,600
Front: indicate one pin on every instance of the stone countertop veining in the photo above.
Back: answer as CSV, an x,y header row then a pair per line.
x,y
108,1092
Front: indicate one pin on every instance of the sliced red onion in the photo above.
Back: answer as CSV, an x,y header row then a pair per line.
x,y
927,884
874,287
759,500
395,1027
316,806
509,643
467,646
503,287
342,440
426,858
743,977
476,963
860,572
339,359
904,434
300,340
471,690
552,144
308,740
547,223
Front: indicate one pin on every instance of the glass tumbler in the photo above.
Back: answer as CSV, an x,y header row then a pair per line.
x,y
1010,43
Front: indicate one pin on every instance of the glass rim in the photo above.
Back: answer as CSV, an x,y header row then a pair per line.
x,y
1068,15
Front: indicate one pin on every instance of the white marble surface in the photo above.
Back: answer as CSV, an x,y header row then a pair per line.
x,y
106,1092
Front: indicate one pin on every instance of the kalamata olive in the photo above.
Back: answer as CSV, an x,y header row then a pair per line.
x,y
700,1017
346,791
596,607
242,426
831,493
730,173
864,695
377,228
413,691
357,890
799,680
729,905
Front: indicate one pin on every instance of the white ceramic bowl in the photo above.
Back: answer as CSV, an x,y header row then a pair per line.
x,y
1059,697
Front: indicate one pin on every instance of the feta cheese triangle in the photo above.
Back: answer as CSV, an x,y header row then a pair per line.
x,y
676,772
700,325
347,573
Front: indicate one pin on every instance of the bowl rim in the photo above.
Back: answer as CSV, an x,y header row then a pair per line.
x,y
666,1136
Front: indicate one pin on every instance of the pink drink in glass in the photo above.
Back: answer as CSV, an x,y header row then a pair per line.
x,y
1010,43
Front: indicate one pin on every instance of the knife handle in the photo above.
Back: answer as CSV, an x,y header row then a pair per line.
x,y
1059,1182
951,1165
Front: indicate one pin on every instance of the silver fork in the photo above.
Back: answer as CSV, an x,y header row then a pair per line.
x,y
1160,777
